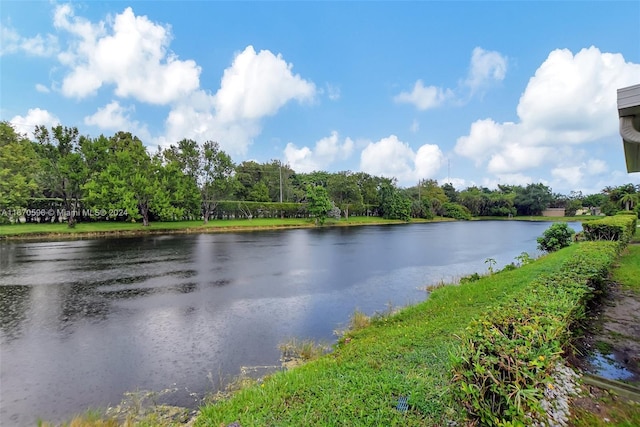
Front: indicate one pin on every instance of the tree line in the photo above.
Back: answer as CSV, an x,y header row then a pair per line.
x,y
62,175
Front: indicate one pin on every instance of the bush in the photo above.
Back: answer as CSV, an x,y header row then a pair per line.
x,y
509,355
558,236
618,228
456,211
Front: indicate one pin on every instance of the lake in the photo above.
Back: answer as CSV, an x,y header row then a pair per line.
x,y
82,322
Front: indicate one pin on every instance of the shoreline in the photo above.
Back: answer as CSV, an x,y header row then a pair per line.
x,y
196,227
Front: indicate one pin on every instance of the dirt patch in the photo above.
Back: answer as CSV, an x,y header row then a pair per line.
x,y
611,346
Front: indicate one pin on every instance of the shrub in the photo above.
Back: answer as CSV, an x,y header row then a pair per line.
x,y
509,355
456,211
558,236
618,228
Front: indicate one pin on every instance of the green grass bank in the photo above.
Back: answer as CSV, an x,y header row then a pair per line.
x,y
406,354
106,229
115,229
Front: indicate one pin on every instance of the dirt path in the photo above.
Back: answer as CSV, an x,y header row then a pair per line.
x,y
616,337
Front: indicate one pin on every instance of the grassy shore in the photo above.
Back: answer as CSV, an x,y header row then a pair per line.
x,y
401,355
106,228
599,408
91,229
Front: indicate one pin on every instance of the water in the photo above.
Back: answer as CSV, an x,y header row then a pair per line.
x,y
82,322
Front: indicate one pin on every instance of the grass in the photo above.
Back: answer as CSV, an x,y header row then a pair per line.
x,y
579,218
627,272
404,354
90,229
611,411
58,230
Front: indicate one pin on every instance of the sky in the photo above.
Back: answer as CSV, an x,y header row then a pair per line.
x,y
473,93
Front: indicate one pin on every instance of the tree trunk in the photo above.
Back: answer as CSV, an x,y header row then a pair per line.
x,y
71,221
144,210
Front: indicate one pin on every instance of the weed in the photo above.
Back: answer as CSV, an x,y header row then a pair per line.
x,y
305,350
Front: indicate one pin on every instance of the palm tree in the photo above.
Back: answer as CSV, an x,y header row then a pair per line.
x,y
629,200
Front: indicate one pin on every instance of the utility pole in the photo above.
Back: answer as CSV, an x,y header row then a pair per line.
x,y
280,182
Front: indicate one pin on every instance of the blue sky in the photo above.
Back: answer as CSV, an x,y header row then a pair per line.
x,y
476,93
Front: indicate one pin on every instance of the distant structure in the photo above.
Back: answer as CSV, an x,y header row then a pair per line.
x,y
629,113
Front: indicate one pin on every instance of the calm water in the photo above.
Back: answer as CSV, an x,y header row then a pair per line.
x,y
82,322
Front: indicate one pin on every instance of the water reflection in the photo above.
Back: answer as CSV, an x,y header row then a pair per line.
x,y
81,322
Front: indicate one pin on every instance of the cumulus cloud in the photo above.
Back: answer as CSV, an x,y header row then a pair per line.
x,y
326,151
570,100
12,42
112,117
575,174
35,117
256,85
423,97
127,51
391,157
486,67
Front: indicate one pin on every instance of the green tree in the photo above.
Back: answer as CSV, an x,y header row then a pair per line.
x,y
318,202
532,199
450,191
63,170
18,168
216,178
558,236
394,204
456,211
344,191
430,190
369,186
130,183
594,200
180,174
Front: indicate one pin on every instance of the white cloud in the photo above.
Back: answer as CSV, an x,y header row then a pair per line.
x,y
415,126
391,157
423,97
255,86
570,176
12,42
326,151
486,67
112,117
573,97
128,51
570,100
458,183
35,117
42,88
573,175
596,166
258,85
516,157
509,179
